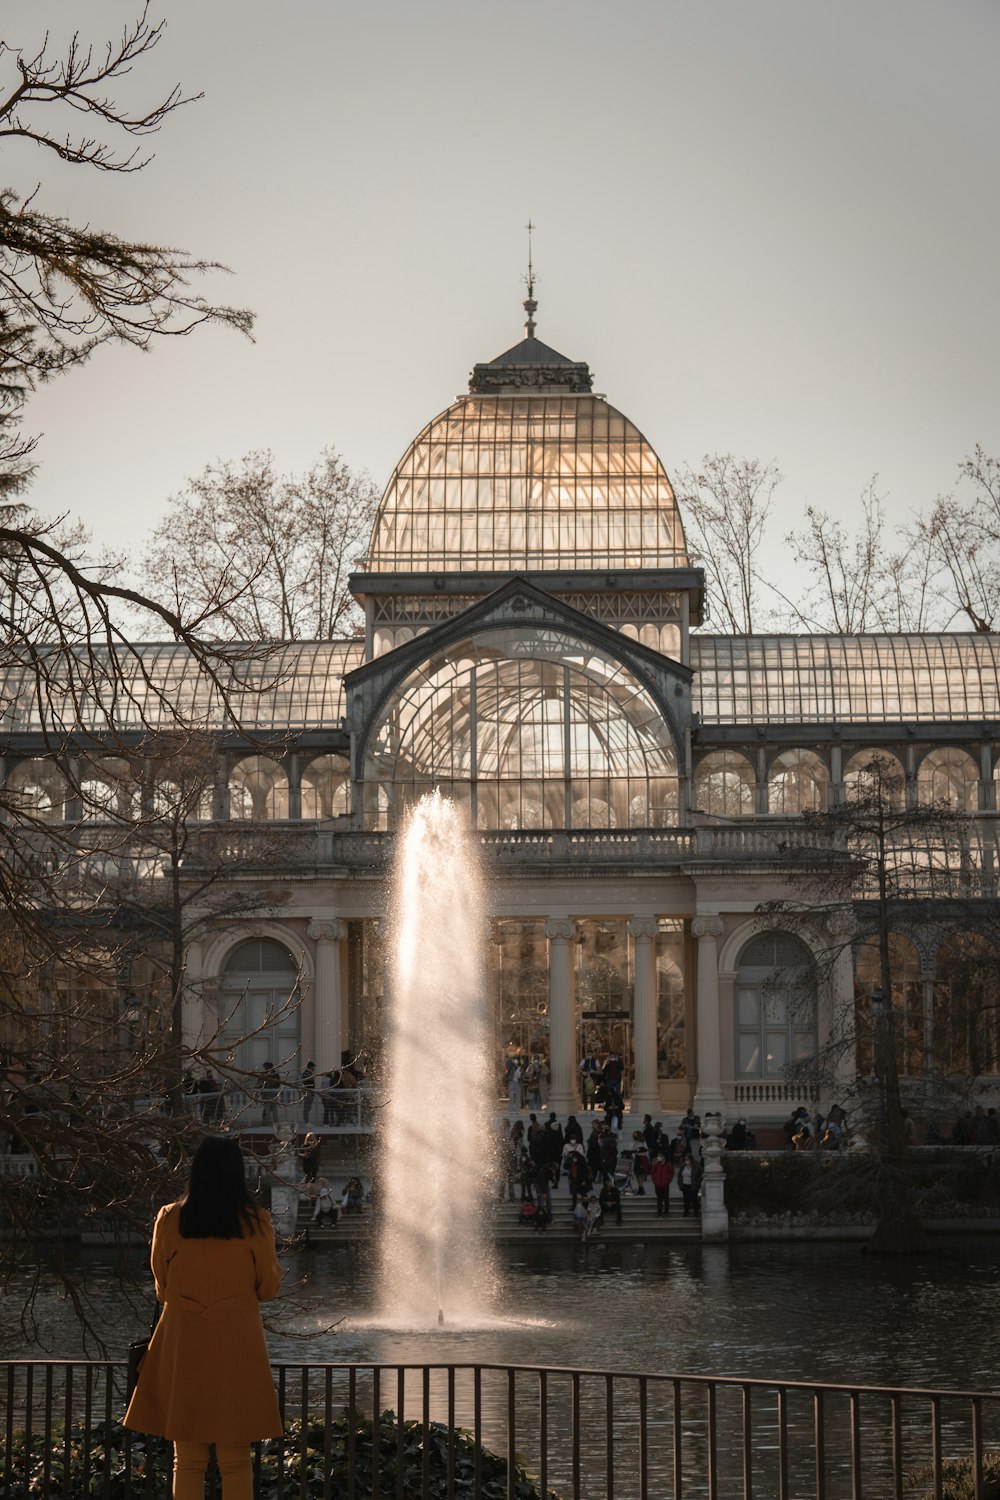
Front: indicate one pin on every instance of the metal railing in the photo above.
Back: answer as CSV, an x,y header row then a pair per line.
x,y
471,1431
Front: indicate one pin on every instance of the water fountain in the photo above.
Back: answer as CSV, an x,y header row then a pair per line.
x,y
437,1139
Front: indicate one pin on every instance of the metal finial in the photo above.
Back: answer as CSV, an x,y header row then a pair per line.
x,y
530,305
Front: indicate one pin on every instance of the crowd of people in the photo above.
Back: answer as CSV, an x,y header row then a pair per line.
x,y
526,1082
598,1167
328,1091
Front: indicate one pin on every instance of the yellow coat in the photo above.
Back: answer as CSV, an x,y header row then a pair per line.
x,y
206,1376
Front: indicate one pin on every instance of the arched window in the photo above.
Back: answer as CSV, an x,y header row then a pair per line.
x,y
966,1036
108,789
259,1009
796,783
326,787
527,728
725,785
951,777
871,774
908,1018
775,1007
40,789
258,789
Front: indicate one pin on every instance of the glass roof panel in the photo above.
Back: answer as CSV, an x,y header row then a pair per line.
x,y
563,482
298,685
845,679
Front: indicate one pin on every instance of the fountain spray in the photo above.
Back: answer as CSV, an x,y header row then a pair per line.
x,y
437,1126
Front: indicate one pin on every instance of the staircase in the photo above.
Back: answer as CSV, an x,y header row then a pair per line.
x,y
639,1223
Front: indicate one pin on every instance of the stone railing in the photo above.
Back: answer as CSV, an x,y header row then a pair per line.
x,y
778,1092
970,871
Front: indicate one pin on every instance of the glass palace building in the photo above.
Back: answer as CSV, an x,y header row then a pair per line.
x,y
532,647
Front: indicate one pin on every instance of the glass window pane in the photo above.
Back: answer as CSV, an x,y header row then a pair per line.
x,y
747,1007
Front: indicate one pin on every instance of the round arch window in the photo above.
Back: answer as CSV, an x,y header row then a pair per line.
x,y
259,1007
775,1005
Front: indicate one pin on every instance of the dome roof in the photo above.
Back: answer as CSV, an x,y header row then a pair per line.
x,y
530,472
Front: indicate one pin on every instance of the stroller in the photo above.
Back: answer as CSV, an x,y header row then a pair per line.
x,y
625,1178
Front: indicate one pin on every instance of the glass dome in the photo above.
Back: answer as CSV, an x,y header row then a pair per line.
x,y
512,483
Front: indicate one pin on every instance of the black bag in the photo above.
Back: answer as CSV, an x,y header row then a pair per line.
x,y
136,1355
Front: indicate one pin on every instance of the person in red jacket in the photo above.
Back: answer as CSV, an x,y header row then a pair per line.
x,y
661,1175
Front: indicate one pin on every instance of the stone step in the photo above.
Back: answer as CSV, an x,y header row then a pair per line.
x,y
639,1222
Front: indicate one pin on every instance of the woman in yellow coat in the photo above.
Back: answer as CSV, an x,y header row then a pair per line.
x,y
206,1376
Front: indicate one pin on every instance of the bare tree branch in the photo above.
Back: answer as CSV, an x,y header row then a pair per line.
x,y
728,503
285,543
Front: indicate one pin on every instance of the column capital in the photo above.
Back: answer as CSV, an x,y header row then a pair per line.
x,y
841,924
707,926
643,927
560,929
330,930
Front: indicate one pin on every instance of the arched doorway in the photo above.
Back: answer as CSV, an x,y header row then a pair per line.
x,y
259,1008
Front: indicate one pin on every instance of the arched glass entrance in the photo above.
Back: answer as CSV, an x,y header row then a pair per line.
x,y
528,728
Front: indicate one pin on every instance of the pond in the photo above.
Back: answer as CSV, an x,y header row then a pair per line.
x,y
796,1311
781,1311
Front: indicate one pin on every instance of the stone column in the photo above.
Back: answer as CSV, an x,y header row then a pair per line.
x,y
195,1027
645,1094
563,1099
987,786
708,1095
761,787
836,776
328,1038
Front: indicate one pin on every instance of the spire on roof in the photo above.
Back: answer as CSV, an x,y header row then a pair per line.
x,y
530,305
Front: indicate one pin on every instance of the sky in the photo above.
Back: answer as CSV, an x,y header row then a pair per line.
x,y
771,228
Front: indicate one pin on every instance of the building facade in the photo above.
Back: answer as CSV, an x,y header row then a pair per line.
x,y
534,647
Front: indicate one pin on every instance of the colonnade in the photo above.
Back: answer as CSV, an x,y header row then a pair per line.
x,y
323,1014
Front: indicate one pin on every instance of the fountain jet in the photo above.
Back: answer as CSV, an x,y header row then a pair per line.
x,y
436,1147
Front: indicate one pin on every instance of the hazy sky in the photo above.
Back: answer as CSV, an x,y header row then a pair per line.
x,y
770,226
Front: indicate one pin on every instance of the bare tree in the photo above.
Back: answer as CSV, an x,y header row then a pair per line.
x,y
727,501
281,547
961,537
95,904
66,289
860,583
126,866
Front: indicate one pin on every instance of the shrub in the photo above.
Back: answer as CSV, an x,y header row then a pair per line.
x,y
958,1481
833,1184
89,1455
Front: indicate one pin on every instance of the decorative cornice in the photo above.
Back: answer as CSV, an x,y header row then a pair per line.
x,y
492,379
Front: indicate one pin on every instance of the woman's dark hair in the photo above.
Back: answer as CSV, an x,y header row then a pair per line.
x,y
217,1204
